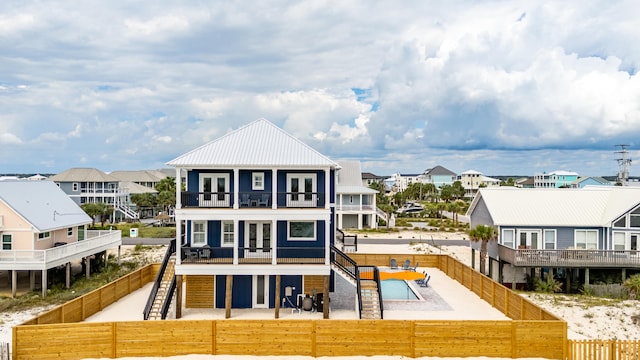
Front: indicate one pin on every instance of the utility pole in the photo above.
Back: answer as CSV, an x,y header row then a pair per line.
x,y
624,161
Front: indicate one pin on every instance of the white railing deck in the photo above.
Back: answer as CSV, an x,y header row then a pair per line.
x,y
570,257
95,242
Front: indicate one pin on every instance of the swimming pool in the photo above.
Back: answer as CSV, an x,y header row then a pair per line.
x,y
397,290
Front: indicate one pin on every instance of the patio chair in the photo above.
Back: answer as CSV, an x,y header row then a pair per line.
x,y
425,283
413,268
244,200
424,277
205,253
406,265
394,264
264,200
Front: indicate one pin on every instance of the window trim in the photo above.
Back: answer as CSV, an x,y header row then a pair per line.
x,y
193,232
224,232
69,232
257,180
315,231
44,235
2,243
513,237
575,238
75,186
544,238
624,240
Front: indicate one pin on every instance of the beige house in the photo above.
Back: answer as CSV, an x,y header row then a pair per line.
x,y
42,228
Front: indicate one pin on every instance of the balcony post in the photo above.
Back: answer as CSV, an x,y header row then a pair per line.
x,y
236,241
327,241
236,188
327,188
178,189
274,249
274,188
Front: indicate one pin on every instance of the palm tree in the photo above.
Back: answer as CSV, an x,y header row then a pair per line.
x,y
484,234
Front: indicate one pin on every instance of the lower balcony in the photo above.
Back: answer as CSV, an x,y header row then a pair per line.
x,y
570,258
253,255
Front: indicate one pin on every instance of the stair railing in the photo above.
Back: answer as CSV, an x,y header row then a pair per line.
x,y
343,262
376,278
371,272
166,304
156,285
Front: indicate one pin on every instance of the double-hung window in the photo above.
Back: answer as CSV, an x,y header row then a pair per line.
x,y
508,236
619,240
199,233
549,239
257,181
227,233
7,241
586,239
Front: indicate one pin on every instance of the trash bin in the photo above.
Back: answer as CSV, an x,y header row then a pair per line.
x,y
133,232
319,302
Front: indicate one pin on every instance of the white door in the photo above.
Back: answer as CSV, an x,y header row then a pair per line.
x,y
214,190
260,291
258,240
530,239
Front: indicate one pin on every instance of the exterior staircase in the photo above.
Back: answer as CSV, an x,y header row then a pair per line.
x,y
365,278
164,291
370,299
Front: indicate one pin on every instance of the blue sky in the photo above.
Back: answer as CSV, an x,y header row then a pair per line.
x,y
501,87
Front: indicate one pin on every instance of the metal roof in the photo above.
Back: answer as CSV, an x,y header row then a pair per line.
x,y
42,204
83,175
590,206
259,144
139,175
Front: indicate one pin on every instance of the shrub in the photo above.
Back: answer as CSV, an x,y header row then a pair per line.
x,y
550,285
632,284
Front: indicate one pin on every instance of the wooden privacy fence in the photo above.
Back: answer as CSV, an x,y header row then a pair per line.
x,y
509,303
90,303
603,350
411,338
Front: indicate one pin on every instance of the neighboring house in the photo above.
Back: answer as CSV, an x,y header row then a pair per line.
x,y
438,176
148,178
526,183
590,181
355,204
400,182
554,179
41,228
258,214
89,185
369,178
569,230
473,180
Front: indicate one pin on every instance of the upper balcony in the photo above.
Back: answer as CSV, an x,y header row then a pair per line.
x,y
570,258
252,200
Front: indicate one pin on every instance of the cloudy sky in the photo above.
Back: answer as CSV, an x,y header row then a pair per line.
x,y
502,87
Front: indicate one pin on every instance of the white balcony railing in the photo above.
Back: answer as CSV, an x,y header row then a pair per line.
x,y
95,242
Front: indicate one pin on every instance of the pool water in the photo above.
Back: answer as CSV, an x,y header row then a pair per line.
x,y
397,290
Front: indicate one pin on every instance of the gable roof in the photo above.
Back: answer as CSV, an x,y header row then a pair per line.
x,y
83,174
258,144
590,206
439,170
350,179
138,175
42,204
597,179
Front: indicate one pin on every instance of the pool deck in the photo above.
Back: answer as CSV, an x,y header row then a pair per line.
x,y
445,299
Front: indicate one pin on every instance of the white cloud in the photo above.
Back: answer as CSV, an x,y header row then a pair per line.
x,y
9,139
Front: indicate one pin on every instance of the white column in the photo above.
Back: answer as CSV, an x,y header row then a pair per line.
x,y
360,202
327,188
236,188
327,242
178,237
274,244
274,188
178,189
236,242
359,221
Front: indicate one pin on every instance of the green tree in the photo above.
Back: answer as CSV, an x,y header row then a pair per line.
x,y
484,234
632,284
454,207
446,192
457,190
144,200
166,192
100,210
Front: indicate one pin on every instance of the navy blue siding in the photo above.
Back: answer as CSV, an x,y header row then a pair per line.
x,y
214,233
193,179
320,178
241,297
245,179
284,243
285,280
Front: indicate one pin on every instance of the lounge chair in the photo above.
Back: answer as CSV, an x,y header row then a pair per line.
x,y
425,283
264,200
406,265
394,264
424,277
244,200
413,268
